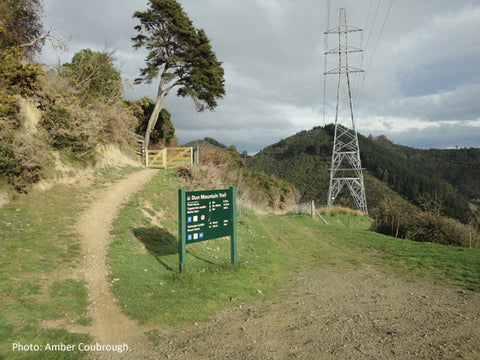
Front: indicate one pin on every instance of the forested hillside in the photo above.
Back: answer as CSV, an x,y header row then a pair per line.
x,y
459,167
304,159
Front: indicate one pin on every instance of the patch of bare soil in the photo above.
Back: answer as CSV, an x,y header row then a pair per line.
x,y
342,314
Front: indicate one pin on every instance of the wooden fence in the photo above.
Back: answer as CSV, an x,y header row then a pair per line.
x,y
169,157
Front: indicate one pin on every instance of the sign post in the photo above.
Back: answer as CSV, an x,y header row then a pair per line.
x,y
205,215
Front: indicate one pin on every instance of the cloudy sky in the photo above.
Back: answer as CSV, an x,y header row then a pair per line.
x,y
421,85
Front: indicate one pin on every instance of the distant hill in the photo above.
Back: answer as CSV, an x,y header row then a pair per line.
x,y
304,160
207,140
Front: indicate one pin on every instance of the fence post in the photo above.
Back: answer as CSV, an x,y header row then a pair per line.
x,y
312,209
164,157
195,155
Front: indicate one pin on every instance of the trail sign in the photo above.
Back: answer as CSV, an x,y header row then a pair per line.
x,y
205,215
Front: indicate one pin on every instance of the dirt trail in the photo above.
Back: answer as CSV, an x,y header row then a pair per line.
x,y
110,325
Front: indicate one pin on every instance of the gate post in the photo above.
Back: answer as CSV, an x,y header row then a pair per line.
x,y
164,157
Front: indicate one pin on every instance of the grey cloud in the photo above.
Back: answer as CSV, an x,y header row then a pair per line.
x,y
439,136
417,67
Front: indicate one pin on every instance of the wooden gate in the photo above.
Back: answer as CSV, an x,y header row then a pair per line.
x,y
169,157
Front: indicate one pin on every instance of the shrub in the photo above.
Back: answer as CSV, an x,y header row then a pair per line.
x,y
16,78
391,218
94,74
163,133
224,167
428,227
21,158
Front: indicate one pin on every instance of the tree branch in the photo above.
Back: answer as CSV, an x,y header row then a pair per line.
x,y
57,42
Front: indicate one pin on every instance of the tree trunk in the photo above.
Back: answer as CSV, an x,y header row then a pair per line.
x,y
161,95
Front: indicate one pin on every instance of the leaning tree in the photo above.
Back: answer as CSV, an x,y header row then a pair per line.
x,y
180,54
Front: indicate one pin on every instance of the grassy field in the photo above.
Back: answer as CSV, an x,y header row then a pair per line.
x,y
39,251
271,250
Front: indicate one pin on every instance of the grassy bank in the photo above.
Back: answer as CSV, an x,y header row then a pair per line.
x,y
144,262
271,250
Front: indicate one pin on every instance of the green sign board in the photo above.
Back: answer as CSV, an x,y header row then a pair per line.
x,y
205,215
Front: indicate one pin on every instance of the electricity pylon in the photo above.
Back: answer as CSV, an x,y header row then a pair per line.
x,y
346,166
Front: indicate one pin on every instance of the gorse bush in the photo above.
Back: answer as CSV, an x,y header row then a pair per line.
x,y
18,160
94,74
77,127
16,78
66,134
21,158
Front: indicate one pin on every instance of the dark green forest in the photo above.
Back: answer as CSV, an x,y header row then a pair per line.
x,y
304,159
459,167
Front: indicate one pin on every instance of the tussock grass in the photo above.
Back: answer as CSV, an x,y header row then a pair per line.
x,y
339,210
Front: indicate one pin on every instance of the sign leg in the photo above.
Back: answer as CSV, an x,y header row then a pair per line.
x,y
182,236
233,238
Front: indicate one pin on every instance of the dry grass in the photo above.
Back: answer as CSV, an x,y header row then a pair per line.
x,y
220,168
339,210
56,119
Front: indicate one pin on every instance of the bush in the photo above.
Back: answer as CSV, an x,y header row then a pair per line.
x,y
66,134
390,218
94,74
21,158
224,167
163,133
427,227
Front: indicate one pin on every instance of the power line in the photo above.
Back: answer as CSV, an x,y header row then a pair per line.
x,y
360,95
380,35
373,25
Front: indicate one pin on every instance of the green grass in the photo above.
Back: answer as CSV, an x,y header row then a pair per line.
x,y
271,250
38,243
144,261
450,265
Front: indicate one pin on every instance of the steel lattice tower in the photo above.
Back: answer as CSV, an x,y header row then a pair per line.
x,y
346,166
